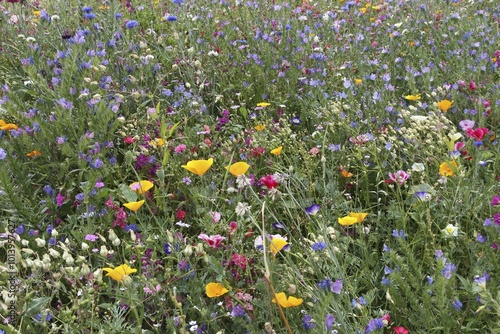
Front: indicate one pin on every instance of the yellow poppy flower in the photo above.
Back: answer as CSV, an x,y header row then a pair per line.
x,y
260,127
120,273
277,150
263,104
345,173
141,187
413,97
215,290
7,126
134,206
448,168
277,244
348,221
358,81
444,105
360,216
33,153
198,167
238,168
287,302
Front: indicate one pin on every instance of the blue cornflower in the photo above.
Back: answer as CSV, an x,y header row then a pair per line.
x,y
337,287
399,234
131,24
171,18
318,246
3,153
89,16
167,248
87,9
457,304
20,229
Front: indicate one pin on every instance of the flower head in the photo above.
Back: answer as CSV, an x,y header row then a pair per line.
x,y
238,168
413,97
360,216
287,302
141,187
277,150
444,105
198,167
7,126
448,168
120,273
215,290
33,153
313,209
277,244
213,241
134,206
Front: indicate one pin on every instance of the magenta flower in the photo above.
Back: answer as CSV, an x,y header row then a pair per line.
x,y
269,181
495,201
399,177
60,199
213,241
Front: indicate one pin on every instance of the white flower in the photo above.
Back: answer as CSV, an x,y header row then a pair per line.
x,y
242,181
242,209
450,230
40,242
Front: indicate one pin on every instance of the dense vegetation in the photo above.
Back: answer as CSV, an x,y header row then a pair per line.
x,y
238,166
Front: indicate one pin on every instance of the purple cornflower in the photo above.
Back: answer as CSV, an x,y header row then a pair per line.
x,y
481,238
65,104
373,325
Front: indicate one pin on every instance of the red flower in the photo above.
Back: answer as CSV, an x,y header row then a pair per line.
x,y
129,140
269,181
472,85
400,330
180,214
477,134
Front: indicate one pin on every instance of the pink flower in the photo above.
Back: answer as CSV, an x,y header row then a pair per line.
x,y
399,177
180,148
60,199
400,330
213,241
459,145
314,151
495,201
472,85
466,124
477,133
215,216
269,181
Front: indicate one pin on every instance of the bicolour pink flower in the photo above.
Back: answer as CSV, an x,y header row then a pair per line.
x,y
269,181
477,134
399,177
213,241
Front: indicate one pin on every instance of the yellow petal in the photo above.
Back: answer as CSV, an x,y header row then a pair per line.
x,y
444,105
286,302
413,97
260,127
215,290
238,168
263,104
198,167
141,187
134,206
277,244
277,150
348,221
360,216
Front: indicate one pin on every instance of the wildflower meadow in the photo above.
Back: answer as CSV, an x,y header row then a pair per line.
x,y
249,166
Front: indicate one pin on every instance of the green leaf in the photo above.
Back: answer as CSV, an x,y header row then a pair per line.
x,y
36,305
129,194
